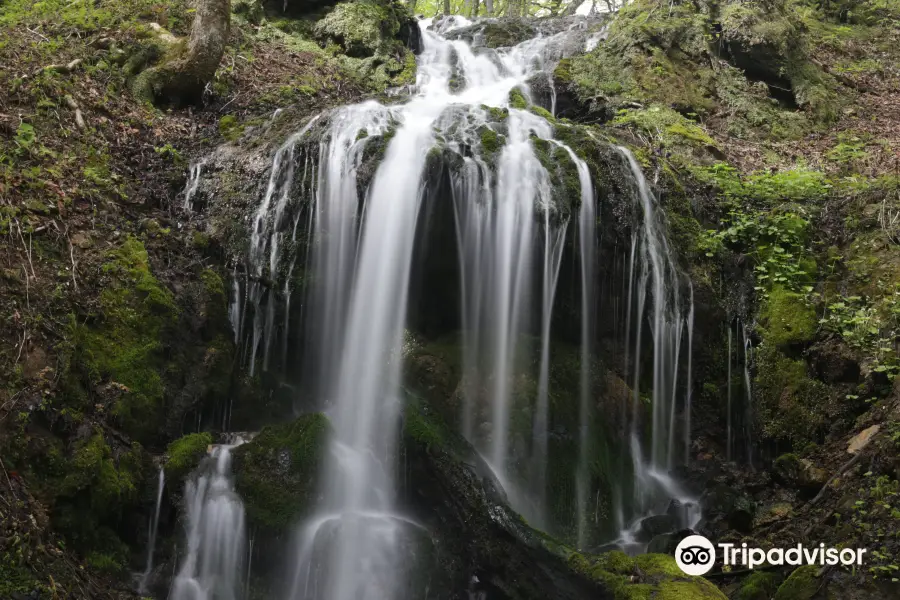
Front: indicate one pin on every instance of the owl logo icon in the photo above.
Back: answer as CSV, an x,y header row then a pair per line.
x,y
695,555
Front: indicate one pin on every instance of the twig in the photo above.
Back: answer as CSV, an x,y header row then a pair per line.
x,y
22,345
26,247
38,34
840,472
72,258
2,466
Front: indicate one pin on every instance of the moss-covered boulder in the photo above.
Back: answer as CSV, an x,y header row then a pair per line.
x,y
276,474
366,28
799,473
453,492
787,318
184,454
802,584
123,343
760,585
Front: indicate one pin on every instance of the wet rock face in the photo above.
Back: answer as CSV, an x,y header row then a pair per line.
x,y
725,506
799,473
507,32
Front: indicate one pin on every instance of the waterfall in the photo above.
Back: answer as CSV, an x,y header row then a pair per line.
x,y
344,202
728,417
193,184
654,277
511,235
748,395
214,559
154,524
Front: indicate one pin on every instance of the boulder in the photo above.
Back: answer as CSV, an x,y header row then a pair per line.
x,y
666,543
728,505
453,493
655,525
799,473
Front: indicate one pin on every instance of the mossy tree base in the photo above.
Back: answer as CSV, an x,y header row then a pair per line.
x,y
187,67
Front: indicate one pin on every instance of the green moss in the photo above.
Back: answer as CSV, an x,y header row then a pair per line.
x,y
185,453
802,584
408,75
124,345
685,141
110,481
423,425
364,28
230,128
696,589
212,283
542,112
491,141
787,319
646,576
760,585
497,115
200,240
791,406
276,473
506,32
658,565
517,99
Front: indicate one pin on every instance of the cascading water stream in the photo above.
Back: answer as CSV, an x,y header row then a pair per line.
x,y
214,558
728,416
511,234
363,253
748,395
154,526
653,270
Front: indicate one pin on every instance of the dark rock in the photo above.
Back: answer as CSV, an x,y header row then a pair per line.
x,y
682,511
724,503
656,525
834,362
666,543
799,474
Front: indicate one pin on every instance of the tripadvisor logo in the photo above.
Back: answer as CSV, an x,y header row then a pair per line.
x,y
696,555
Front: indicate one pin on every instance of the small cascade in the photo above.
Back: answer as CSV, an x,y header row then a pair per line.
x,y
154,524
538,470
689,394
587,238
193,183
655,287
728,414
214,557
275,225
748,396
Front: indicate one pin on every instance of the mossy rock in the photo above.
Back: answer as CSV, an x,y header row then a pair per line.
x,y
276,474
802,584
791,405
760,585
463,505
364,28
517,99
125,342
787,319
185,453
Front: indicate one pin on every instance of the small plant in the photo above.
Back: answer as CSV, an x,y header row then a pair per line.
x,y
775,241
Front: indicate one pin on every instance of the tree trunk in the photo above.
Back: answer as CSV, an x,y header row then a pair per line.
x,y
489,7
187,67
570,10
412,6
446,7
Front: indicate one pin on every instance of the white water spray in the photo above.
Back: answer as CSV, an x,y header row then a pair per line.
x,y
213,564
